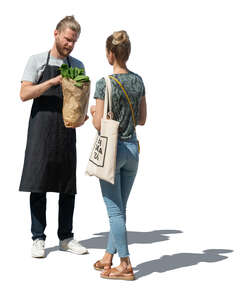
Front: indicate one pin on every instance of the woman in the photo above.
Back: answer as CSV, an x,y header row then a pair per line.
x,y
116,196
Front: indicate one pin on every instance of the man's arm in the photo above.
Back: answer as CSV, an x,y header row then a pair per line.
x,y
29,90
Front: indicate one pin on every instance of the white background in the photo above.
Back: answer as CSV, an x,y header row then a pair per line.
x,y
190,192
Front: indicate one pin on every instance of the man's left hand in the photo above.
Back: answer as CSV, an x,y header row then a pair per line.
x,y
79,124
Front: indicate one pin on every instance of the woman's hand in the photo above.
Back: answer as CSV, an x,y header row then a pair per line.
x,y
93,110
97,112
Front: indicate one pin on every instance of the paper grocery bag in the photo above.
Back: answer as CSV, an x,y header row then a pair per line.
x,y
75,102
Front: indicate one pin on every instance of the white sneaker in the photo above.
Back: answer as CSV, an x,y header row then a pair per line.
x,y
72,246
38,248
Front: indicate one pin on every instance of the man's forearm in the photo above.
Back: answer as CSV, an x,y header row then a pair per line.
x,y
33,91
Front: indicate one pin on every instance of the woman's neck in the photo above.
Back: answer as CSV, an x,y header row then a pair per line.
x,y
117,69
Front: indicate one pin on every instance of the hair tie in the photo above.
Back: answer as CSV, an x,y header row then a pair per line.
x,y
115,42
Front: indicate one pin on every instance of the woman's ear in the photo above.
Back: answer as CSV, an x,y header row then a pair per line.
x,y
110,56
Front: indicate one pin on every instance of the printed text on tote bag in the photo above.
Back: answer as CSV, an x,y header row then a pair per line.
x,y
98,154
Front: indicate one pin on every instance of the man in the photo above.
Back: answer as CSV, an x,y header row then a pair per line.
x,y
50,156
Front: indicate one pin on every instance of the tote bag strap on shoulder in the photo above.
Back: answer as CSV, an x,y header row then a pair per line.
x,y
108,99
127,97
131,107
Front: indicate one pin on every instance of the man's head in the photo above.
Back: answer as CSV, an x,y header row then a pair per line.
x,y
66,34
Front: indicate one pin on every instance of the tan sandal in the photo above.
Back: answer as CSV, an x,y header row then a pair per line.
x,y
99,266
114,273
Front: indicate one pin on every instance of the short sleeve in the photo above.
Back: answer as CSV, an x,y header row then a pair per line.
x,y
100,89
30,71
143,90
141,85
75,63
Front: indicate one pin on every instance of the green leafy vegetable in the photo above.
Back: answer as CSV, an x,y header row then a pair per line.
x,y
77,74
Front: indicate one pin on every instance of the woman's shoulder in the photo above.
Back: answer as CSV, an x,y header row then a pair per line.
x,y
129,78
100,89
100,82
135,75
137,82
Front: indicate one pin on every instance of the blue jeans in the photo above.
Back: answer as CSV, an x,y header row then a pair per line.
x,y
116,196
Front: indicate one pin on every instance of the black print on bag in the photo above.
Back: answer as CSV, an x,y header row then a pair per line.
x,y
99,150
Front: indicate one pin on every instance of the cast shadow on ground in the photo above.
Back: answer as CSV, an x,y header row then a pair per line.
x,y
171,262
164,263
134,237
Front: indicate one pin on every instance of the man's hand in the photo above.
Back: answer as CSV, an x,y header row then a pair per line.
x,y
79,124
56,80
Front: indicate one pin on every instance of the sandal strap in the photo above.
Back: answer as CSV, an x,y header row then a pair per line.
x,y
116,272
99,264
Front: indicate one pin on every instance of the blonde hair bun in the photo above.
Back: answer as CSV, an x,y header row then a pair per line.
x,y
120,37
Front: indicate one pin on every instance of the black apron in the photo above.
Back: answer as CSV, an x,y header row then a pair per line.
x,y
50,156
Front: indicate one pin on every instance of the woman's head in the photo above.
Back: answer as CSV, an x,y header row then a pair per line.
x,y
119,44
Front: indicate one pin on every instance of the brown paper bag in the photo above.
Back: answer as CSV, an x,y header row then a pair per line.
x,y
75,102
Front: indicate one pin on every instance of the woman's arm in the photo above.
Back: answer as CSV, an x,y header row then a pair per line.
x,y
143,112
97,112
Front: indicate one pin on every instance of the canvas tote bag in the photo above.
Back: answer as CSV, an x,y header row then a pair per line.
x,y
102,160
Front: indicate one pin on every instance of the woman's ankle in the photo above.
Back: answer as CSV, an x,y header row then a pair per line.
x,y
107,257
125,262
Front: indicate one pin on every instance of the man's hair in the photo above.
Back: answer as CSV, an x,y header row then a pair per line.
x,y
69,22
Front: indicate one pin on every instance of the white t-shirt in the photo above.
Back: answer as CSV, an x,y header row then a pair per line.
x,y
36,65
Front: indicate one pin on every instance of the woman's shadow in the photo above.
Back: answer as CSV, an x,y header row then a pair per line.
x,y
134,237
164,263
171,262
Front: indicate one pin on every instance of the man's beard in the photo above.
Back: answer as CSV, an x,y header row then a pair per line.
x,y
61,50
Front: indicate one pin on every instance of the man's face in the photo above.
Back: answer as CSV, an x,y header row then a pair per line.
x,y
65,41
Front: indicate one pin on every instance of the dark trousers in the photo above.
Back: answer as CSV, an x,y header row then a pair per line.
x,y
65,215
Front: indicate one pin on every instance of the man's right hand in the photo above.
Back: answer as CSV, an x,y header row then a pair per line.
x,y
56,80
30,90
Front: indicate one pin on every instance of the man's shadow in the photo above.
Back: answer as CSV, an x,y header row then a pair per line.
x,y
171,262
134,237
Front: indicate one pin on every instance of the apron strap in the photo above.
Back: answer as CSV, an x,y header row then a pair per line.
x,y
68,61
48,57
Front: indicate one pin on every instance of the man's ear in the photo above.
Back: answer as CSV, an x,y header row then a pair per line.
x,y
56,33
